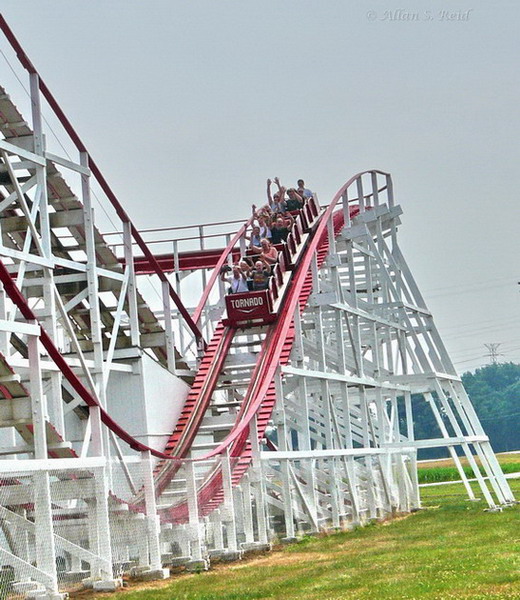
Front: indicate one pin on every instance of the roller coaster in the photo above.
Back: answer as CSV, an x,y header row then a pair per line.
x,y
139,434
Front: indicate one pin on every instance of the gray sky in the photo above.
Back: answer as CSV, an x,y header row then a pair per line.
x,y
187,107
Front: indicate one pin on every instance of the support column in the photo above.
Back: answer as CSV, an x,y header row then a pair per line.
x,y
259,487
152,570
132,286
197,562
416,497
170,340
232,552
453,454
44,531
56,400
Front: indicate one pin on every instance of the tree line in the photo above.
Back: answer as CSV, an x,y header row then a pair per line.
x,y
494,391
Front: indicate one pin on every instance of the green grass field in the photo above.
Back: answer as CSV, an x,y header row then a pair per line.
x,y
451,549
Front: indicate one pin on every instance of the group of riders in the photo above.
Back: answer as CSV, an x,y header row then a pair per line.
x,y
270,228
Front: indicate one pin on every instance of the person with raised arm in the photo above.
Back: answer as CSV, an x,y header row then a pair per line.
x,y
259,277
265,231
281,228
277,201
254,240
269,254
246,264
295,201
237,280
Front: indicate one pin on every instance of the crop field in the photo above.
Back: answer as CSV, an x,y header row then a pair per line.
x,y
444,470
451,549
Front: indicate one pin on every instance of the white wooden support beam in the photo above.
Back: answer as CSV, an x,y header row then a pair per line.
x,y
86,371
410,434
350,379
315,274
96,426
258,484
346,209
218,531
309,507
33,258
282,444
229,508
473,425
78,298
23,566
64,543
390,191
287,502
170,340
152,518
115,327
132,284
123,463
331,236
4,335
38,404
26,154
375,190
193,511
101,524
25,187
68,164
23,204
101,434
361,198
469,455
247,507
44,534
19,327
438,418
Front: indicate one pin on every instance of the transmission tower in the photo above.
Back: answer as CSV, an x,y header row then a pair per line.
x,y
493,352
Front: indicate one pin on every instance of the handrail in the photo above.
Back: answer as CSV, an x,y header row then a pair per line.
x,y
177,227
216,271
182,239
121,213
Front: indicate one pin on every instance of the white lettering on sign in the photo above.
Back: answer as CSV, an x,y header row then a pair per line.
x,y
247,302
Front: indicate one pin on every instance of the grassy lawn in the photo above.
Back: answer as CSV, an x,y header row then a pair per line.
x,y
451,549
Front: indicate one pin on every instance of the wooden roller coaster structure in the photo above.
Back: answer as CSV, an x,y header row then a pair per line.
x,y
136,435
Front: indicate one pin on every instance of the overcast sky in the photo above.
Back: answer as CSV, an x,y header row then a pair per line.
x,y
187,107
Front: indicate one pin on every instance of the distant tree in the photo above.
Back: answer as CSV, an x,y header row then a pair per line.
x,y
494,391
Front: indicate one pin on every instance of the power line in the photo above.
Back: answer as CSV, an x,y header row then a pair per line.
x,y
464,286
